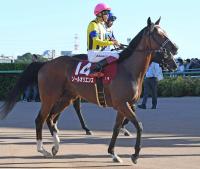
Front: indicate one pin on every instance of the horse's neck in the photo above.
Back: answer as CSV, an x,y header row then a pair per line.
x,y
137,64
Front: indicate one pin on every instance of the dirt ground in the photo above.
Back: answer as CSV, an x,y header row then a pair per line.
x,y
171,138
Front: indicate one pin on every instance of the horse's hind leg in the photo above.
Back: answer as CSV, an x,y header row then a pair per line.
x,y
77,107
123,129
54,132
55,121
52,121
41,118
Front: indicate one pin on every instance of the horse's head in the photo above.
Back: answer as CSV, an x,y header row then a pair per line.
x,y
165,59
164,48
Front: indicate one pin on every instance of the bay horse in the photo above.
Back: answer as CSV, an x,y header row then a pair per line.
x,y
57,91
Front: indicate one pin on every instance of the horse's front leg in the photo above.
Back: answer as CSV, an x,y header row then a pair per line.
x,y
117,127
138,125
129,113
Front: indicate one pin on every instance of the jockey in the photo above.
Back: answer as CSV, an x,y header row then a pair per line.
x,y
109,32
96,39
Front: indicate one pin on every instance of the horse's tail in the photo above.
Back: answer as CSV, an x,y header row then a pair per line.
x,y
28,77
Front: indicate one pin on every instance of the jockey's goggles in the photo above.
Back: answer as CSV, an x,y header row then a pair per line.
x,y
105,12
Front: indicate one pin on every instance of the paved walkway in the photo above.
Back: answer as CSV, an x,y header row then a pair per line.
x,y
171,138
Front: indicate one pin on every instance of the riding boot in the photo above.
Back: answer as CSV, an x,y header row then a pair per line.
x,y
98,66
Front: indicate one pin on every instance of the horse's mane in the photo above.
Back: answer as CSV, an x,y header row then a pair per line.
x,y
131,47
80,56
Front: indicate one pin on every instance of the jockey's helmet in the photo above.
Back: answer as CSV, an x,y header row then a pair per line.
x,y
111,17
100,8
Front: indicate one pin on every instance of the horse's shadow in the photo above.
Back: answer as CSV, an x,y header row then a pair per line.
x,y
174,140
91,157
68,159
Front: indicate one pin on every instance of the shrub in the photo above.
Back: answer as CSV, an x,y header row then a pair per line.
x,y
197,87
164,87
179,86
7,81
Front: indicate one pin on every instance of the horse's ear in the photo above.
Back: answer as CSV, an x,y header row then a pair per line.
x,y
158,21
149,22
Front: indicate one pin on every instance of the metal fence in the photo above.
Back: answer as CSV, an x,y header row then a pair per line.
x,y
190,72
10,73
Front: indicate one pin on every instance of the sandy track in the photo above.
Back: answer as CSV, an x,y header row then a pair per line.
x,y
171,138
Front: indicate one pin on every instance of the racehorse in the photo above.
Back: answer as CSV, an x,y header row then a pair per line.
x,y
57,91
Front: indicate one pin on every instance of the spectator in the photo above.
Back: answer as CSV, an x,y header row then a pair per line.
x,y
187,64
109,32
31,93
181,67
153,74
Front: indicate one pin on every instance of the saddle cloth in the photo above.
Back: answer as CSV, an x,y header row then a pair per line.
x,y
81,74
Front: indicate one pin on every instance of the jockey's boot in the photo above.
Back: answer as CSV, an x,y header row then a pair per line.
x,y
99,66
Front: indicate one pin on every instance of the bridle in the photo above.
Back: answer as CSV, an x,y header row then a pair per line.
x,y
162,54
163,51
163,44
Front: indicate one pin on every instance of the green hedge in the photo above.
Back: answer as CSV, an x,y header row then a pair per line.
x,y
13,66
7,84
8,81
179,86
169,87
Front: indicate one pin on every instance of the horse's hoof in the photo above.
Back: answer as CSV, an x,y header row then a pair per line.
x,y
116,158
45,153
88,132
125,131
54,150
127,134
134,158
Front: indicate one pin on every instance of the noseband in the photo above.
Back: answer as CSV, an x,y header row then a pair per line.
x,y
164,52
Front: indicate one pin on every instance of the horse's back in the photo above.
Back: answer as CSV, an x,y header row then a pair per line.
x,y
54,74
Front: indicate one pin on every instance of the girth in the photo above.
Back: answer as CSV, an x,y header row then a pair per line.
x,y
100,92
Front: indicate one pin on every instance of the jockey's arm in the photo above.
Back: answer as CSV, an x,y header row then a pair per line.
x,y
102,42
115,42
94,37
112,36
